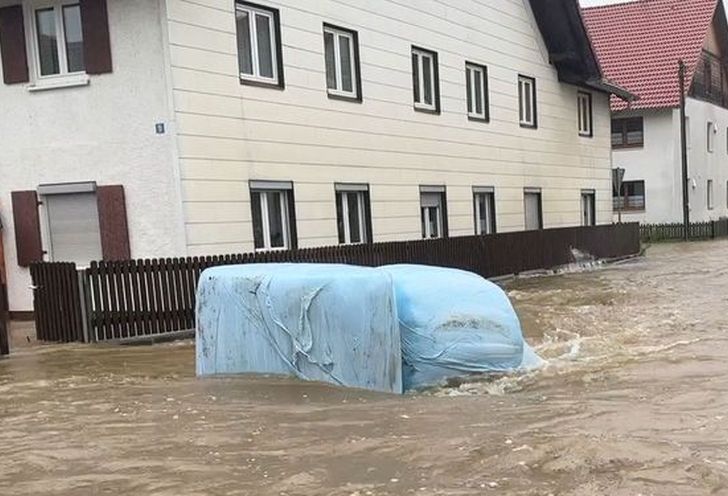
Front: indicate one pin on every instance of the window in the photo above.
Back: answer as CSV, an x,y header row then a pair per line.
x,y
711,131
433,205
476,82
353,214
58,40
341,50
527,101
72,229
627,132
588,208
260,58
425,79
584,102
632,196
533,209
484,204
273,212
711,206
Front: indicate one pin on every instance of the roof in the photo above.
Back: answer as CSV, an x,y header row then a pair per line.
x,y
639,44
567,41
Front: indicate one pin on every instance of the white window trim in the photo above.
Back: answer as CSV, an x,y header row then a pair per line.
x,y
265,219
253,29
584,114
470,70
711,131
337,34
523,83
426,209
359,195
489,225
64,79
421,54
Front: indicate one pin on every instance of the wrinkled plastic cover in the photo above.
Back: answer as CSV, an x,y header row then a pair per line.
x,y
332,323
455,323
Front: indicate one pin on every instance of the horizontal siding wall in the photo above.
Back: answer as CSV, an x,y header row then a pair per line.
x,y
229,133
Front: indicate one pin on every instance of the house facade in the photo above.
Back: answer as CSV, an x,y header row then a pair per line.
x,y
208,127
634,51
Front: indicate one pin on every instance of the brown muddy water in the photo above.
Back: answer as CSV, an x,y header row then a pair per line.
x,y
634,400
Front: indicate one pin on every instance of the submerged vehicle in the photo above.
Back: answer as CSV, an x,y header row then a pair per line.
x,y
391,328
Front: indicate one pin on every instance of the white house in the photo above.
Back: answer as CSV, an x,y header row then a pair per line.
x,y
150,128
639,45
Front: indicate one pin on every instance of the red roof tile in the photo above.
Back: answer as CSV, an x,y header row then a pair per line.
x,y
639,43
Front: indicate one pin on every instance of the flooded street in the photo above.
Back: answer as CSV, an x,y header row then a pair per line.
x,y
634,400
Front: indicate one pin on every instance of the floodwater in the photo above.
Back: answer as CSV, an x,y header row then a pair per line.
x,y
634,400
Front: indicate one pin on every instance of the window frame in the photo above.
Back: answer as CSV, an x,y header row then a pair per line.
x,y
589,195
522,81
418,80
622,197
288,213
489,193
30,13
342,190
623,132
710,194
469,84
711,132
278,79
584,97
337,94
539,193
442,223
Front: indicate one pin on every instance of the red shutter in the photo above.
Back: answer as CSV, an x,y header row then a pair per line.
x,y
12,45
112,222
96,43
27,227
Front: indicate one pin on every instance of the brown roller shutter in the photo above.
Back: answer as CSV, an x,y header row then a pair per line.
x,y
96,43
112,223
27,227
12,45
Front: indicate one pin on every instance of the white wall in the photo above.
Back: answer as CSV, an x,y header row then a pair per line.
x,y
659,164
703,165
103,132
230,133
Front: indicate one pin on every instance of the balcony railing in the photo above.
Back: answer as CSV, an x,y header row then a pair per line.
x,y
709,81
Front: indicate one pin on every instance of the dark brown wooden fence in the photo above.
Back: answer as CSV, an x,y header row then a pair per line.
x,y
57,302
141,298
651,233
4,332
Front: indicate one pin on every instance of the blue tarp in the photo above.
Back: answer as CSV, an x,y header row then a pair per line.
x,y
333,323
455,323
387,329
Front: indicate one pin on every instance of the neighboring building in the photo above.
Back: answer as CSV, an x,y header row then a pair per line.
x,y
639,45
173,127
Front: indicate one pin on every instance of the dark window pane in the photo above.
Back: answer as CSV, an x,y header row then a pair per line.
x,y
47,42
275,219
347,83
635,135
245,57
74,38
416,76
434,225
265,48
340,217
354,225
478,93
330,61
257,220
527,102
427,79
469,88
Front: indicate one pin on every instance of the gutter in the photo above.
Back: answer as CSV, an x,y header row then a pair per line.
x,y
609,87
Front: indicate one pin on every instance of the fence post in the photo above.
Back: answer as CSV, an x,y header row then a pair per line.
x,y
83,299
